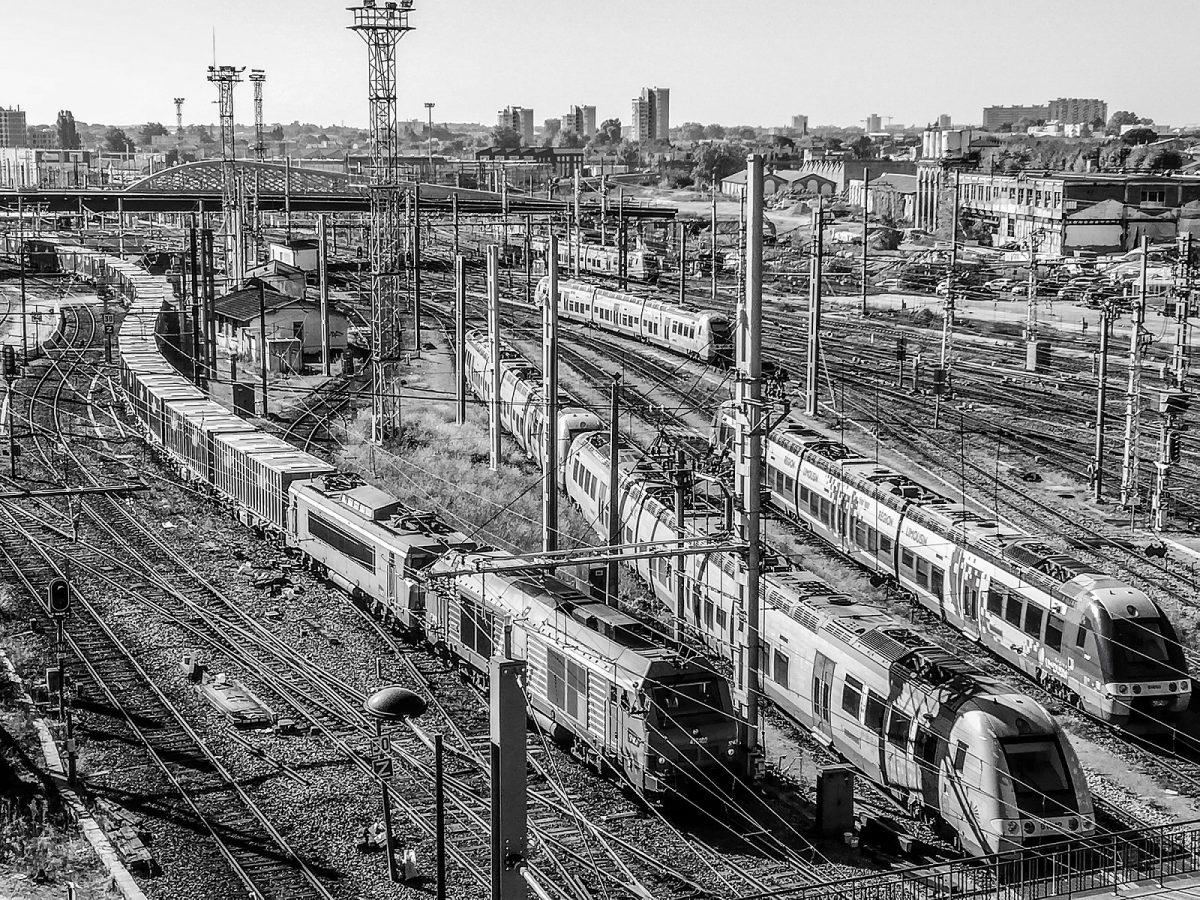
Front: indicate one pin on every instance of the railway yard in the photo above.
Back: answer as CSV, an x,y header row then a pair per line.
x,y
401,525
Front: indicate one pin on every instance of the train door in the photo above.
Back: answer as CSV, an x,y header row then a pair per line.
x,y
822,693
973,587
391,582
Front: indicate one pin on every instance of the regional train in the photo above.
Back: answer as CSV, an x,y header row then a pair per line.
x,y
594,259
703,335
597,679
1088,637
938,735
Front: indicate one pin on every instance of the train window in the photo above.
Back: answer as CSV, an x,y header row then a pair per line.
x,y
927,745
721,617
803,495
995,601
1081,633
852,696
898,726
960,756
923,573
1013,609
780,665
789,483
1033,620
937,581
349,546
708,613
764,658
860,534
826,512
885,544
970,601
475,626
874,713
906,559
1054,632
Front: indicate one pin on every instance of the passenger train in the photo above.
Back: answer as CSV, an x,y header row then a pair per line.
x,y
640,265
703,335
940,736
596,678
1086,636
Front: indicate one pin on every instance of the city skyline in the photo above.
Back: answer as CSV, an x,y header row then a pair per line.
x,y
752,75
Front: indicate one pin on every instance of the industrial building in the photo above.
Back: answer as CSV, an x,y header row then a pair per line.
x,y
652,115
13,128
520,120
293,327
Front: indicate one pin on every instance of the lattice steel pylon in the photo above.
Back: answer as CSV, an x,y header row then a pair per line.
x,y
225,77
381,27
257,77
179,115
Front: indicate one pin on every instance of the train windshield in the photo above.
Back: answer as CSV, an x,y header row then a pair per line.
x,y
1039,776
1140,650
685,704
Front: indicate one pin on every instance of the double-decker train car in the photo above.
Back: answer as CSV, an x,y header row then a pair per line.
x,y
1086,636
640,265
703,335
992,764
522,409
598,680
940,736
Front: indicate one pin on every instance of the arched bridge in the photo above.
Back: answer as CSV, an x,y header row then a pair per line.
x,y
204,177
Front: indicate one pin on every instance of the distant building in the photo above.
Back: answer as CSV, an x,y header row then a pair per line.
x,y
28,167
41,138
874,123
299,253
944,121
293,326
520,120
652,115
580,120
800,124
13,129
781,180
996,116
1074,111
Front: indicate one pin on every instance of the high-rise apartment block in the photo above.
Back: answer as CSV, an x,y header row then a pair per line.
x,y
1076,111
520,120
944,121
800,124
580,120
874,123
12,128
652,115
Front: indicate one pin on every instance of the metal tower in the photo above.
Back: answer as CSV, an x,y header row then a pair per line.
x,y
225,77
381,27
179,115
257,77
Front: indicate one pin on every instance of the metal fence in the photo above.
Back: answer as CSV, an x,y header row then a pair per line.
x,y
1055,870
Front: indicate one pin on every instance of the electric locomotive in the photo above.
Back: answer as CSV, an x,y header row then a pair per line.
x,y
1086,636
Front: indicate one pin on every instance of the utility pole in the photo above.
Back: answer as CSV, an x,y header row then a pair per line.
x,y
323,279
257,77
682,263
712,258
208,263
529,259
460,338
263,352
179,115
866,195
416,268
1031,313
749,431
21,259
493,275
614,495
1101,397
429,110
1131,460
680,475
225,77
197,365
550,407
1183,310
578,224
816,264
1173,404
941,377
509,788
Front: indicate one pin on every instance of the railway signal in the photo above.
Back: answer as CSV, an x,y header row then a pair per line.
x,y
58,597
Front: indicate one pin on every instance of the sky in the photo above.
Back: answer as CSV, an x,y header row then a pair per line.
x,y
752,63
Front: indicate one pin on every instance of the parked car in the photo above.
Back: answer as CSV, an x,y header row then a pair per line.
x,y
1001,285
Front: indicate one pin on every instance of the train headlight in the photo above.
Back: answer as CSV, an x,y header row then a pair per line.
x,y
1185,686
1012,827
1122,689
1030,828
1072,824
662,760
731,752
1137,688
1172,686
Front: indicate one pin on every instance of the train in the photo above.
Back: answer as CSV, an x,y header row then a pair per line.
x,y
598,680
941,737
1087,637
594,259
700,334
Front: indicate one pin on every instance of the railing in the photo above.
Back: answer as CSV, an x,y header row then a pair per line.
x,y
1066,869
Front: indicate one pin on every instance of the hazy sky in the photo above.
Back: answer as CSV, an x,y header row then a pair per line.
x,y
754,62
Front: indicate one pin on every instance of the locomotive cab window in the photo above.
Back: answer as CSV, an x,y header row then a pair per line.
x,y
960,756
898,727
1081,633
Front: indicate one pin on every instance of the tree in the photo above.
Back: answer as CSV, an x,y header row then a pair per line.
x,y
608,133
151,130
1135,136
782,142
172,158
862,147
691,131
1119,118
833,144
714,132
717,161
117,141
68,134
275,134
505,138
1163,158
571,140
